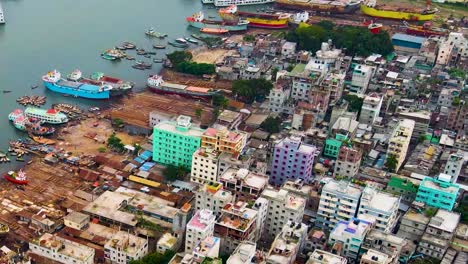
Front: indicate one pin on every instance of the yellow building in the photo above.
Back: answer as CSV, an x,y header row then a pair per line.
x,y
223,140
400,140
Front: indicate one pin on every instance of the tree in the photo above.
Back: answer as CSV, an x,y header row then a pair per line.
x,y
102,149
137,147
308,37
115,143
220,100
248,38
391,162
198,112
251,90
355,102
155,257
172,172
274,72
177,57
271,125
118,122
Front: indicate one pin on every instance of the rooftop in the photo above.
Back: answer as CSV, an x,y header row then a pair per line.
x,y
173,127
441,186
108,204
202,220
124,241
65,247
375,256
445,220
409,38
414,216
76,217
325,257
291,201
356,227
244,253
228,116
167,240
255,180
287,243
344,187
237,216
372,198
208,247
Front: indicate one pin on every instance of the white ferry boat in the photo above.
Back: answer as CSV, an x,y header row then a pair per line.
x,y
2,17
236,2
50,116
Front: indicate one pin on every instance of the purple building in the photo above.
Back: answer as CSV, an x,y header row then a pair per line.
x,y
292,160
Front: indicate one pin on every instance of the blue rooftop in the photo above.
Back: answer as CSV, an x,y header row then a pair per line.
x,y
409,38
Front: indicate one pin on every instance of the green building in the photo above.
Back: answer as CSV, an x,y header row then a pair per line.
x,y
175,142
333,145
403,186
438,193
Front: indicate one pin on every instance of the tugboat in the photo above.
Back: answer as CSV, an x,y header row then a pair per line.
x,y
375,28
16,177
151,33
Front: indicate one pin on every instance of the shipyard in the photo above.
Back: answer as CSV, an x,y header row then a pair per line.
x,y
234,132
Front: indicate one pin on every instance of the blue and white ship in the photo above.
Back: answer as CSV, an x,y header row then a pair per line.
x,y
54,82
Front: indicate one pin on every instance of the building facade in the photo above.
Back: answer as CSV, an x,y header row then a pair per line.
x,y
213,197
223,140
400,140
381,206
287,244
198,228
437,193
204,166
349,236
244,184
370,109
348,162
362,75
124,247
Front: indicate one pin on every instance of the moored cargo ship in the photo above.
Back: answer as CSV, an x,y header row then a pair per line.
x,y
339,6
371,8
256,19
198,20
426,30
119,86
158,85
221,3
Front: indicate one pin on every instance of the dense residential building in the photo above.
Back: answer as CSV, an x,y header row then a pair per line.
x,y
207,248
287,244
381,206
370,109
421,122
213,197
62,250
454,165
413,224
393,247
349,236
244,253
439,234
457,119
279,95
198,228
362,75
167,242
124,247
283,206
348,162
223,140
325,257
204,166
338,202
261,206
244,184
302,81
403,186
375,257
236,224
343,129
175,142
292,160
400,140
440,193
316,239
228,160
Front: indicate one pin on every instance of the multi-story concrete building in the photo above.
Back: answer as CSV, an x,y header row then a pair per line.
x,y
207,248
316,239
413,224
381,206
167,242
261,205
440,193
375,257
338,202
76,220
457,119
302,81
439,234
406,187
388,244
175,142
348,162
243,254
400,140
213,197
334,83
446,96
292,160
228,160
283,206
454,165
288,244
370,109
223,140
61,250
421,120
204,166
198,228
362,75
124,247
279,96
236,224
350,236
244,184
156,117
325,257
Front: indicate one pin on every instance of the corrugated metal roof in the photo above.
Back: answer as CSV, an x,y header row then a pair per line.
x,y
405,37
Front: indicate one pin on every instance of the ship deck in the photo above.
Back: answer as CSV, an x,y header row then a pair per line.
x,y
81,86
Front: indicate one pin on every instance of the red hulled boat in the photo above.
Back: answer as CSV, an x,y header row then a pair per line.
x,y
16,177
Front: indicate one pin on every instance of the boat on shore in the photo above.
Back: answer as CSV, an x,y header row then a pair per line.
x,y
32,124
426,30
16,177
49,116
119,86
214,31
54,82
158,85
221,3
42,140
375,28
178,45
371,8
198,20
259,20
329,6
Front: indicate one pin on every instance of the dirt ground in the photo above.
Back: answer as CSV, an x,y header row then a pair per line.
x,y
213,56
78,142
177,77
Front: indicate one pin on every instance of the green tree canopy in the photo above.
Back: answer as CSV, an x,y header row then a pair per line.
x,y
115,143
155,257
177,57
250,90
220,100
391,163
354,102
271,125
182,63
172,172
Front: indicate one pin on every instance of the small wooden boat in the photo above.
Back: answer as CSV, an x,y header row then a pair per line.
x,y
197,36
191,40
34,86
181,40
6,91
147,56
129,45
151,53
178,45
159,46
43,140
158,60
16,177
20,159
129,57
215,31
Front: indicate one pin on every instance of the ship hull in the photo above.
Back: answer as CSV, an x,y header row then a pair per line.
x,y
239,3
265,23
201,25
160,90
424,32
370,11
15,181
76,92
318,7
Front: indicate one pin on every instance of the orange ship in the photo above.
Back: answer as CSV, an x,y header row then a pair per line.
x,y
217,31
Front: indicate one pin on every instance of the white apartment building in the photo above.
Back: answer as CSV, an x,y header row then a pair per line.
x,y
62,250
156,117
370,109
400,140
198,228
283,206
207,248
261,205
446,96
454,165
338,202
362,75
375,257
288,244
212,197
204,166
381,206
278,97
243,254
76,220
325,58
325,257
124,247
351,236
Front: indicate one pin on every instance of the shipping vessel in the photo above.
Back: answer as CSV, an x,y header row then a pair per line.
x,y
371,8
31,125
426,30
119,86
198,20
158,85
231,13
50,116
339,6
54,82
221,3
16,177
2,16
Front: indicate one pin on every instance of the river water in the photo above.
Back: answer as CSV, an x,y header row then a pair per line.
x,y
41,35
